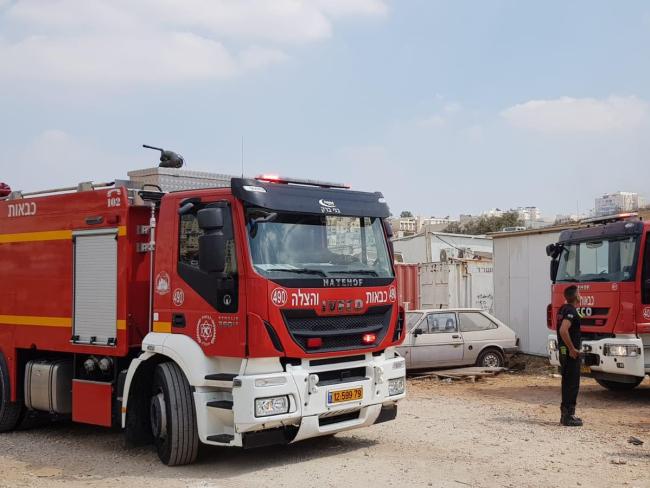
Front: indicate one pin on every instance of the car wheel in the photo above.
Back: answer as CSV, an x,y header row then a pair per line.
x,y
10,412
173,417
618,386
491,358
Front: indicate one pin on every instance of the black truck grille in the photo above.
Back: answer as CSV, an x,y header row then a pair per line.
x,y
340,332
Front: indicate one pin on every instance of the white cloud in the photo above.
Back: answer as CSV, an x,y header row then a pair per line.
x,y
571,115
121,42
446,116
435,121
54,158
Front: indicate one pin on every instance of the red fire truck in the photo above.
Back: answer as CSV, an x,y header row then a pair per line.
x,y
262,313
609,260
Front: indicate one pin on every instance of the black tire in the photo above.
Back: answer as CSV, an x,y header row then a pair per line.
x,y
10,412
618,386
173,417
491,358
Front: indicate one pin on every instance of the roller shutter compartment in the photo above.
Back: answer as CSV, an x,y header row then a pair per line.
x,y
95,287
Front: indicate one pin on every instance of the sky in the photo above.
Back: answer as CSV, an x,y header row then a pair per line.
x,y
447,107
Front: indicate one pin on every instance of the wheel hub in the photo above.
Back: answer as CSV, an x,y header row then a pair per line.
x,y
158,416
491,361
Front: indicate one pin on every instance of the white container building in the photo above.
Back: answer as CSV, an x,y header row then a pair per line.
x,y
522,284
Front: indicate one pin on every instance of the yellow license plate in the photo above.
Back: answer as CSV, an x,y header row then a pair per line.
x,y
585,369
342,396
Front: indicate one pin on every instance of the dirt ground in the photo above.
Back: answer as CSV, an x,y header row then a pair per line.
x,y
501,431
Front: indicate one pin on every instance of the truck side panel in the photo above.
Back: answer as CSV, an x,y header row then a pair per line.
x,y
37,249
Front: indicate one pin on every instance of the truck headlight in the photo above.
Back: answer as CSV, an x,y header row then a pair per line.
x,y
628,350
396,386
552,345
265,407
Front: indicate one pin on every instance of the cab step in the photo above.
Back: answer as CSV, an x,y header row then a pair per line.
x,y
221,438
223,404
225,377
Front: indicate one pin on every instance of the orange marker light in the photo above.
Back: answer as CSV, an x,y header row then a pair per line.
x,y
369,338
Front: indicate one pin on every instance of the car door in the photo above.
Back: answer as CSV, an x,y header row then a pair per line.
x,y
439,343
413,320
478,331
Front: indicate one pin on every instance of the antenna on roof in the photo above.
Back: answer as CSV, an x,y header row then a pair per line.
x,y
168,159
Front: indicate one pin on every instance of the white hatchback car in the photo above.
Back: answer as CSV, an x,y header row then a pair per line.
x,y
456,337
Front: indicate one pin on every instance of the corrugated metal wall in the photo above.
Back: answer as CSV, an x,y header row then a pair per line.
x,y
446,285
408,285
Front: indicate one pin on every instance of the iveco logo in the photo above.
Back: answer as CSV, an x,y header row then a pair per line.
x,y
327,203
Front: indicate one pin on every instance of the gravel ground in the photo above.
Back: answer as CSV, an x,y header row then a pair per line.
x,y
497,432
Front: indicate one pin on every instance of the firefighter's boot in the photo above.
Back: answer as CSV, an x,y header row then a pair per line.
x,y
568,418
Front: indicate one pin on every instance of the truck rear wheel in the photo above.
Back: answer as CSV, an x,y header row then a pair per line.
x,y
10,412
619,386
173,417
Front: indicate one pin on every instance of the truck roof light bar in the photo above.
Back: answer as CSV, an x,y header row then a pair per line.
x,y
273,178
611,218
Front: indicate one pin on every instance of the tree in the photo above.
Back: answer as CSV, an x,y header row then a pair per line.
x,y
406,214
453,228
485,225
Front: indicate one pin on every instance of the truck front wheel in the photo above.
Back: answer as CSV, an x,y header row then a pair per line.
x,y
619,386
173,417
10,412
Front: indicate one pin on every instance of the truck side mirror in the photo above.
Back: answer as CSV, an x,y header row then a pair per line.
x,y
555,265
417,332
212,244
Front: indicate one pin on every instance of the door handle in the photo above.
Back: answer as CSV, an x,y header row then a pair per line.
x,y
455,336
178,320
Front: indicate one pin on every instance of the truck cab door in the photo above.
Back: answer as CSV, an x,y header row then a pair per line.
x,y
206,304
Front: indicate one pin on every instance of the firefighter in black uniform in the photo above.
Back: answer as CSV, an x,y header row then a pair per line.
x,y
569,339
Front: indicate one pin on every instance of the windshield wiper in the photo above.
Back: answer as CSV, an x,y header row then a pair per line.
x,y
358,271
300,271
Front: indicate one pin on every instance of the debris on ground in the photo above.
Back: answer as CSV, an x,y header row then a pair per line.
x,y
470,374
635,441
618,461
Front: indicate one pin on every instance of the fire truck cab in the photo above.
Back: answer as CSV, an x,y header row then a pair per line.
x,y
609,260
261,313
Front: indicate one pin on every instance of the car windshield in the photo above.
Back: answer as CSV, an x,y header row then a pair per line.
x,y
285,245
412,319
599,260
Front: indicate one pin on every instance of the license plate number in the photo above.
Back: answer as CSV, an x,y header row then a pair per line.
x,y
585,369
342,396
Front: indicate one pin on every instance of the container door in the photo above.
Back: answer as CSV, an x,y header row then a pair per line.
x,y
440,343
95,287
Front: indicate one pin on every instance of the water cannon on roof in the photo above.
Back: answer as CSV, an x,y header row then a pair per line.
x,y
168,159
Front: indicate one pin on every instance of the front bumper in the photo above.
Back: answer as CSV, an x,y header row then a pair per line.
x,y
597,363
310,414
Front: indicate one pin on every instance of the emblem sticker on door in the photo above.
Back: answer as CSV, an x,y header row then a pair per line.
x,y
646,313
206,330
178,297
162,283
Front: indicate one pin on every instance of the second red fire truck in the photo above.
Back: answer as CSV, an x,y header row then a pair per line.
x,y
609,261
262,313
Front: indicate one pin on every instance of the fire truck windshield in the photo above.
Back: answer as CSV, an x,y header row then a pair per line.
x,y
612,259
287,245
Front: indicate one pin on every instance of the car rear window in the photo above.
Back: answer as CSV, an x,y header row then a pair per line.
x,y
474,321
